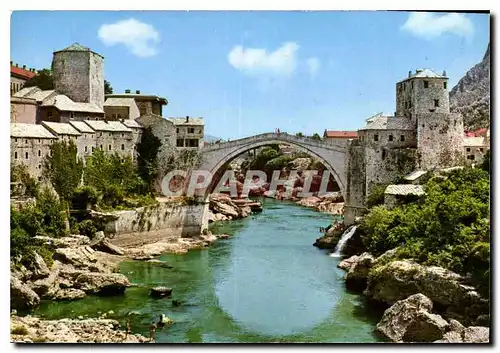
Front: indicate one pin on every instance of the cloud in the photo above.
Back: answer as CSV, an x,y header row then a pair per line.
x,y
313,64
140,38
430,25
257,61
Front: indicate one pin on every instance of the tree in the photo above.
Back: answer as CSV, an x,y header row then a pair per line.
x,y
316,137
107,87
299,134
147,160
63,168
43,80
486,165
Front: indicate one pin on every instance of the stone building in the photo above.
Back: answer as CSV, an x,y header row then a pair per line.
x,y
87,141
23,110
422,135
190,132
79,74
146,104
164,130
120,108
113,136
339,137
136,133
395,194
19,76
29,144
475,148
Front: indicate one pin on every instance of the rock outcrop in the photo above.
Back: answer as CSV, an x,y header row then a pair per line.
x,y
357,275
223,208
471,96
398,280
411,320
346,264
29,329
102,283
21,295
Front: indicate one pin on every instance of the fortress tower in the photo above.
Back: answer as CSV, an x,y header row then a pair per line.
x,y
79,73
423,98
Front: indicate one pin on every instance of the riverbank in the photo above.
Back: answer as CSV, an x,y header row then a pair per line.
x,y
83,266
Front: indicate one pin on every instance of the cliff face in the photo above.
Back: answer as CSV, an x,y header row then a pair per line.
x,y
471,96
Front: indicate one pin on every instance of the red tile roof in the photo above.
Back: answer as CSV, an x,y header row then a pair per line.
x,y
477,133
21,72
341,134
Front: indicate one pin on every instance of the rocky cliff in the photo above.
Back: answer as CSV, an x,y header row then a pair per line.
x,y
471,96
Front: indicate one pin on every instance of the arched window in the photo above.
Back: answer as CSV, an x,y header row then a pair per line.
x,y
26,155
39,153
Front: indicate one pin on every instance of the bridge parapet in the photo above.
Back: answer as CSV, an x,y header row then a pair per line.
x,y
281,137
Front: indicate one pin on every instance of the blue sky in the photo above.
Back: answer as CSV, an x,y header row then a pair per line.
x,y
250,72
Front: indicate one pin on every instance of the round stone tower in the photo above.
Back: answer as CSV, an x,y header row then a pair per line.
x,y
79,73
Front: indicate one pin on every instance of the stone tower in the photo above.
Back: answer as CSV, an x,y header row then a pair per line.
x,y
423,98
79,73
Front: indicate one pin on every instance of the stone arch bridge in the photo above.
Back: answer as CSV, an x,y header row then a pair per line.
x,y
333,156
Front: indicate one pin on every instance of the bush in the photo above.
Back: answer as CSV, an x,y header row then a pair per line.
x,y
449,227
376,197
19,330
19,173
87,228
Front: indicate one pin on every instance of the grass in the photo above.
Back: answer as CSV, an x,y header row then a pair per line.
x,y
19,330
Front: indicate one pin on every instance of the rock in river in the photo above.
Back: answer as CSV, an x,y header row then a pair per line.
x,y
161,292
102,283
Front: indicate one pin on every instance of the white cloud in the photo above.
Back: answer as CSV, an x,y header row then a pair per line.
x,y
313,64
430,25
255,61
140,38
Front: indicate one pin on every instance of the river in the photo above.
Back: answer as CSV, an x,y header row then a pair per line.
x,y
265,284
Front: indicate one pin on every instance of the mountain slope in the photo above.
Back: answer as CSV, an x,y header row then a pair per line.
x,y
471,96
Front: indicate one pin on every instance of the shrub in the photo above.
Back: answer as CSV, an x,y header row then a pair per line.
x,y
87,228
19,330
376,197
19,173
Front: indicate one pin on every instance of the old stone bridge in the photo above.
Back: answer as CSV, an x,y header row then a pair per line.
x,y
333,156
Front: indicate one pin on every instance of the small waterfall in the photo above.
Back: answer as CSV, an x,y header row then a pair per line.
x,y
348,233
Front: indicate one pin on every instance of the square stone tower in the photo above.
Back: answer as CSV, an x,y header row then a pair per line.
x,y
79,74
423,98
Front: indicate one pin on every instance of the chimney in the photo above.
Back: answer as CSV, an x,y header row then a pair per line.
x,y
11,63
444,73
137,92
24,67
127,91
17,65
409,74
187,119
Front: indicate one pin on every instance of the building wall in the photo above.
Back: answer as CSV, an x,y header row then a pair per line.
x,y
96,72
22,110
413,98
16,84
187,133
119,142
34,149
49,113
116,113
147,107
79,75
440,140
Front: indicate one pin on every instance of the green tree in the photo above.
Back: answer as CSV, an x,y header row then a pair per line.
x,y
147,160
43,80
316,136
299,134
486,165
107,87
63,168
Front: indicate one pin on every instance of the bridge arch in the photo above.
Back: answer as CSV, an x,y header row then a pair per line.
x,y
215,156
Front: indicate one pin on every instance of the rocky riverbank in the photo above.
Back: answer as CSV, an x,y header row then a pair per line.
x,y
424,303
223,208
29,329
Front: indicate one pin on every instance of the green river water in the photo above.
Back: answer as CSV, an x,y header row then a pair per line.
x,y
265,284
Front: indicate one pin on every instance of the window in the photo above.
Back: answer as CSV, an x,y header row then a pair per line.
x,y
93,148
445,85
26,155
26,141
85,148
101,147
39,153
15,140
426,84
114,116
109,147
180,143
471,157
100,134
193,143
390,138
123,135
50,153
15,155
119,116
481,149
383,154
375,137
436,102
38,140
39,166
123,147
468,149
191,130
177,130
402,138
